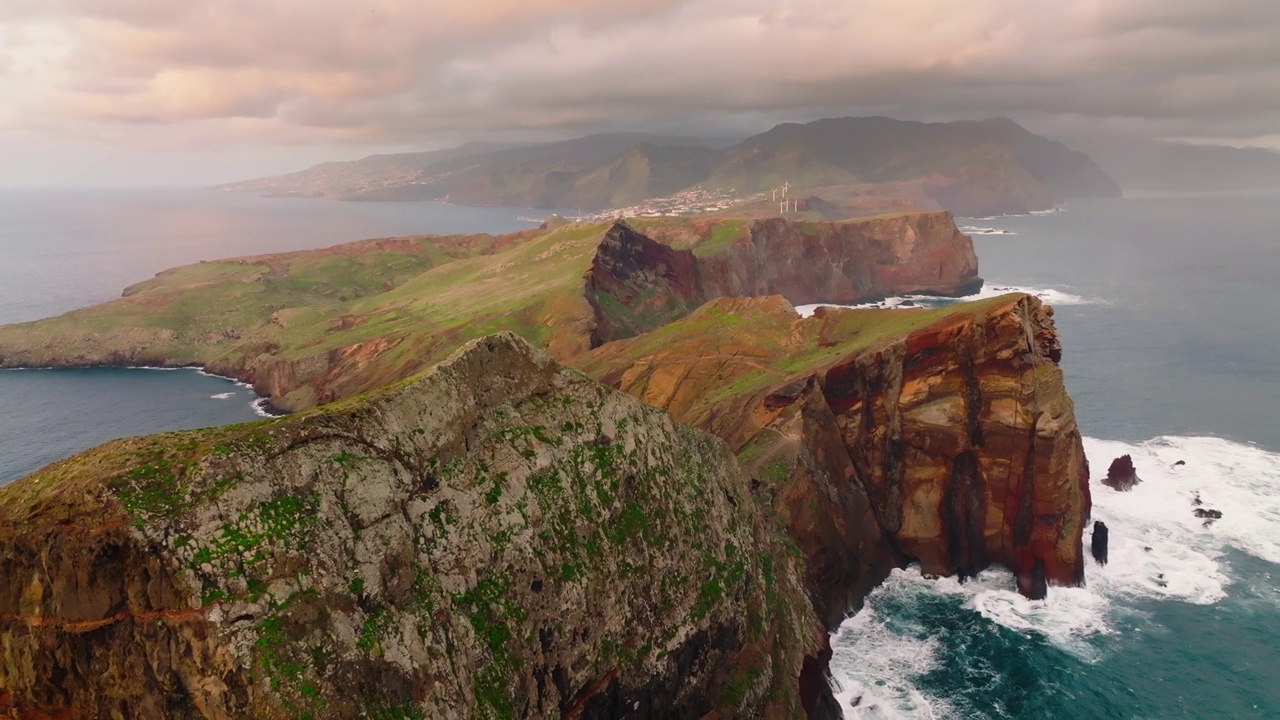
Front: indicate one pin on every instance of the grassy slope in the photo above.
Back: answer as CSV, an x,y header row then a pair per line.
x,y
721,359
310,302
769,344
390,307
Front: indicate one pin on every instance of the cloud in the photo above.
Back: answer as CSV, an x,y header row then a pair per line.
x,y
408,71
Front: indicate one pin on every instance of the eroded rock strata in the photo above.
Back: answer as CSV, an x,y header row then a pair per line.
x,y
637,283
940,437
499,538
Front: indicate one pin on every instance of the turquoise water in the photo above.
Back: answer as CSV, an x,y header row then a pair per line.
x,y
1169,312
64,249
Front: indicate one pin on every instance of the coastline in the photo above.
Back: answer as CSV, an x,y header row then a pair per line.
x,y
262,405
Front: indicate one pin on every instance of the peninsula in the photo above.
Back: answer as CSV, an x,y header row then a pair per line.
x,y
660,515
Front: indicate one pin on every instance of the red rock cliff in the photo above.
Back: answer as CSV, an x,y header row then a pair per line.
x,y
637,282
966,440
944,437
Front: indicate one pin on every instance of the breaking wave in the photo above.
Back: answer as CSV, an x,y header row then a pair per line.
x,y
1159,550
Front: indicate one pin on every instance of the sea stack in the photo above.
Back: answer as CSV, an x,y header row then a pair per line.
x,y
1098,545
1121,475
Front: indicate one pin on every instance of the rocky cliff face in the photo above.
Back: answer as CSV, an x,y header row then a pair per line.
x,y
967,443
499,538
637,283
943,437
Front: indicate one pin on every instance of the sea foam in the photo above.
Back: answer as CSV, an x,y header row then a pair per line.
x,y
1158,550
877,658
979,230
1051,296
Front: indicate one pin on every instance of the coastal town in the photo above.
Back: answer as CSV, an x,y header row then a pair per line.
x,y
695,201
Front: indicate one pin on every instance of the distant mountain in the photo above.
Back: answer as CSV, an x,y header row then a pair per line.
x,y
972,168
1146,165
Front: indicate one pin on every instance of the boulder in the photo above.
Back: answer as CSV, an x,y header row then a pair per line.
x,y
1121,475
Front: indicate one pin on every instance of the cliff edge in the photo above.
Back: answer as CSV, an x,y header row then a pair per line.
x,y
943,437
501,537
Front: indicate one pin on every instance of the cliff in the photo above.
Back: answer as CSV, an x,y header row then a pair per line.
x,y
312,327
500,537
637,283
943,437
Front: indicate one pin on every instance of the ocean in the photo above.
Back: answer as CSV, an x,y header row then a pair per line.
x,y
1167,307
1169,314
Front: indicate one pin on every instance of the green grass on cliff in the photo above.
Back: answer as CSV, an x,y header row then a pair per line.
x,y
362,315
411,300
760,344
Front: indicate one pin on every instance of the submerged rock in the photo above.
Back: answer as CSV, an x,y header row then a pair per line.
x,y
1098,544
1121,475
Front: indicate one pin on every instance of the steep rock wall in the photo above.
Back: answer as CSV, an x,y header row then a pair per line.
x,y
637,283
966,440
949,441
499,538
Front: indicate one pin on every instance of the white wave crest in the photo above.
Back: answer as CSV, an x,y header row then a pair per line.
x,y
222,396
1158,550
979,230
1050,296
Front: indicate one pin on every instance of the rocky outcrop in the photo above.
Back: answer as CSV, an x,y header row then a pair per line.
x,y
941,437
966,441
1099,541
637,283
1121,475
499,538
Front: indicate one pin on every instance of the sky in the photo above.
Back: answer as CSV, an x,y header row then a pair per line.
x,y
192,92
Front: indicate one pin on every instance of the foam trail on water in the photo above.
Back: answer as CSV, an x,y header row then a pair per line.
x,y
222,396
979,230
1051,296
260,406
1050,211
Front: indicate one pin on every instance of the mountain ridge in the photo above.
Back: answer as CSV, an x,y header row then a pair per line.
x,y
969,167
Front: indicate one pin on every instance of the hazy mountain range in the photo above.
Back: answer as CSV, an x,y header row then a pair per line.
x,y
972,168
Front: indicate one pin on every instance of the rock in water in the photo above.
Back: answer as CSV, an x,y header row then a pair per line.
x,y
1099,542
1121,475
1032,583
1210,514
